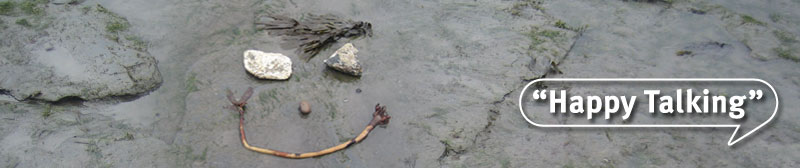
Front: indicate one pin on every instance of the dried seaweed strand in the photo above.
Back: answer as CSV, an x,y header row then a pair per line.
x,y
313,33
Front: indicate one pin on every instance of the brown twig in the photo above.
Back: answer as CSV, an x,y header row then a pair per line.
x,y
379,117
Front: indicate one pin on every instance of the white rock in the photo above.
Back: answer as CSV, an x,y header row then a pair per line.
x,y
345,60
263,65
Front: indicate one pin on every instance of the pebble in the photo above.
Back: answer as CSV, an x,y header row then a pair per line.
x,y
305,107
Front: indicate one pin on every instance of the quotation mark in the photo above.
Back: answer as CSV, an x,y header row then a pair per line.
x,y
755,94
537,94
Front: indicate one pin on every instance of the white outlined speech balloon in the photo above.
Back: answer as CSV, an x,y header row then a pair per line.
x,y
731,141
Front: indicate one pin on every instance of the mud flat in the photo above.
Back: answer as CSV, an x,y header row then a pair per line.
x,y
51,52
448,72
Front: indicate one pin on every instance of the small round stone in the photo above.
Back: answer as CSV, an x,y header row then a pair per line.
x,y
305,108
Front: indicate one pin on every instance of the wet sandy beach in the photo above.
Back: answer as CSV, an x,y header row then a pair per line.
x,y
448,71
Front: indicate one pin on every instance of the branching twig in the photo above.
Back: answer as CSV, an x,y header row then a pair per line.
x,y
379,117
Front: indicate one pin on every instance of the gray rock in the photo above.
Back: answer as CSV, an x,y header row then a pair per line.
x,y
264,65
345,60
74,56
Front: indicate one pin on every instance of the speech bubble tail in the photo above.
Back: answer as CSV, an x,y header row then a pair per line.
x,y
735,137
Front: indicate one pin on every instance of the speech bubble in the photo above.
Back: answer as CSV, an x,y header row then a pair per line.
x,y
731,141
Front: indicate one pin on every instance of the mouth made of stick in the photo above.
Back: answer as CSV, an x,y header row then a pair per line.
x,y
379,117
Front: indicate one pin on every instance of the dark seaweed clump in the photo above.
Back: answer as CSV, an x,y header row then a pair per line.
x,y
313,33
